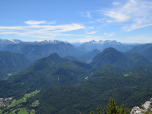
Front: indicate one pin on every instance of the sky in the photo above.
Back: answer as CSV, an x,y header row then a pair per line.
x,y
127,21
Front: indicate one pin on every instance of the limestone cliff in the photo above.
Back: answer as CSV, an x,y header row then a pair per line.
x,y
146,108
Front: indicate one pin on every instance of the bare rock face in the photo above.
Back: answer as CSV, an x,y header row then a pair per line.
x,y
145,107
136,110
151,100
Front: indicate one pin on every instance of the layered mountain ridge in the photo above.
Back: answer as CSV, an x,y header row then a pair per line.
x,y
5,42
68,83
101,45
35,51
39,49
111,56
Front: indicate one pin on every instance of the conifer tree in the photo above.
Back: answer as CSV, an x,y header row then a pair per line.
x,y
98,110
91,112
114,109
122,110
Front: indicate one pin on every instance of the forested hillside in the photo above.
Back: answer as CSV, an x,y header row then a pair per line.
x,y
69,86
35,51
11,63
111,56
144,50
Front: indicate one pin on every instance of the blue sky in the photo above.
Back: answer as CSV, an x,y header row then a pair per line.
x,y
128,21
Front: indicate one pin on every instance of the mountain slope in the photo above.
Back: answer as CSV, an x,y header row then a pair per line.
x,y
38,69
33,77
98,91
13,62
144,50
70,73
147,53
49,71
110,56
108,71
71,58
36,51
140,48
88,56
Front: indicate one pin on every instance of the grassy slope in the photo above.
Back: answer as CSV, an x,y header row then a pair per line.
x,y
17,105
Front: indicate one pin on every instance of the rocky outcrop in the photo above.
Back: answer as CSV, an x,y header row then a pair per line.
x,y
147,106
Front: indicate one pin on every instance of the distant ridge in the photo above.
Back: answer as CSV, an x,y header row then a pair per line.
x,y
37,50
111,56
145,50
88,56
140,48
4,42
101,45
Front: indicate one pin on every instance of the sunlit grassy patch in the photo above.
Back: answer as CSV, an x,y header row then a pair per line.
x,y
126,75
18,103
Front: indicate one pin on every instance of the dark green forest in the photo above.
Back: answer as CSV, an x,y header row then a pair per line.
x,y
69,85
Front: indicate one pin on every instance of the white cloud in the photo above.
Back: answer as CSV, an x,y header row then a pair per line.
x,y
11,28
116,3
111,34
109,21
53,22
31,22
100,20
118,16
35,29
134,14
93,32
91,21
91,27
88,36
86,14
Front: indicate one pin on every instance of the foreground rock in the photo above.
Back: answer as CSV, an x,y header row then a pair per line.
x,y
146,107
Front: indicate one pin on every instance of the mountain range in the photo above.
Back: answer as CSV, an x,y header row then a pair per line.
x,y
36,50
5,42
74,81
54,70
101,45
